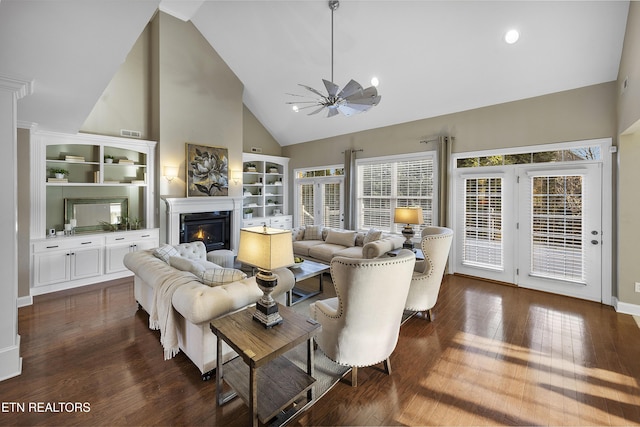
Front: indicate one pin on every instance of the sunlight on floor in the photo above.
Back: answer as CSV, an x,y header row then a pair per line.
x,y
548,383
637,319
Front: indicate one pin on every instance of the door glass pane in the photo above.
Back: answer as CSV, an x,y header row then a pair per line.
x,y
305,211
556,224
482,241
331,206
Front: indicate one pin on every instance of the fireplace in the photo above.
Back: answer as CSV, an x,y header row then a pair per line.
x,y
212,228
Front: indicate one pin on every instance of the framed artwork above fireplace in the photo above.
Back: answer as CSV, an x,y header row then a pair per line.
x,y
207,170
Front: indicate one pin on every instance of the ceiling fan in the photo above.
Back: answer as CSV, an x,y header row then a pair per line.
x,y
353,98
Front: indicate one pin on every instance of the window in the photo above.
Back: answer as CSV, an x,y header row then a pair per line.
x,y
385,183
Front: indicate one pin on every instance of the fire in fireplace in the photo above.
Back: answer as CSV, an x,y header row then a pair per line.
x,y
212,228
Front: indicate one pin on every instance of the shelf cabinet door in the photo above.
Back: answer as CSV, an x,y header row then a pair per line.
x,y
115,256
86,263
51,267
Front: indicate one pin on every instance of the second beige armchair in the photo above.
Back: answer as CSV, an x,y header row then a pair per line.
x,y
427,275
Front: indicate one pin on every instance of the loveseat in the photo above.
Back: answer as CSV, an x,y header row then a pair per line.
x,y
168,282
318,243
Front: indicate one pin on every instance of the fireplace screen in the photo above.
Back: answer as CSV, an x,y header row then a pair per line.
x,y
211,228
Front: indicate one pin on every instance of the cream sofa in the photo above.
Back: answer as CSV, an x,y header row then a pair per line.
x,y
321,244
194,303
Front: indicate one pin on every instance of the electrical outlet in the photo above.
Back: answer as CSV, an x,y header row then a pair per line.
x,y
637,286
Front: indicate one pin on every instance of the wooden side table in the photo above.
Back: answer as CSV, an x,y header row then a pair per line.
x,y
271,383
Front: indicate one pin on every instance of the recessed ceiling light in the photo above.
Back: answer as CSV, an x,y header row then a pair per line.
x,y
295,108
511,36
375,82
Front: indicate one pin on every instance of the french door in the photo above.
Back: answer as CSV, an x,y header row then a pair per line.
x,y
560,229
319,201
536,226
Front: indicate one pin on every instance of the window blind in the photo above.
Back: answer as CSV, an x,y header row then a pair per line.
x,y
306,211
482,238
557,227
387,183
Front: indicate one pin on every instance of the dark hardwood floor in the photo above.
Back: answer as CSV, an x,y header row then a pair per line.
x,y
493,355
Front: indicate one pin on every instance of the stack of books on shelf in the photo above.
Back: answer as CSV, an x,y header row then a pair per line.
x,y
57,180
125,161
73,158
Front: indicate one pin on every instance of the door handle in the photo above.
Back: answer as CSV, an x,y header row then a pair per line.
x,y
594,242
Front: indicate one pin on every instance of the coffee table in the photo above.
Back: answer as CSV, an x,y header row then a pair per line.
x,y
306,270
272,383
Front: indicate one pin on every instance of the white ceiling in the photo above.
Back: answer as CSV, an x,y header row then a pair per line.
x,y
432,57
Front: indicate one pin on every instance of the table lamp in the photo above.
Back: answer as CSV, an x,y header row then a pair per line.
x,y
408,216
267,249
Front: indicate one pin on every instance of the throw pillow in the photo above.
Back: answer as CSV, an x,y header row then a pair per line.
x,y
372,235
297,233
343,238
186,264
313,232
360,238
165,252
220,276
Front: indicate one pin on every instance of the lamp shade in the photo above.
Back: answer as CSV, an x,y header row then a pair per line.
x,y
408,215
265,248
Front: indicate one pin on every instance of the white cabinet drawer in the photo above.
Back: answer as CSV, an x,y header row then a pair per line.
x,y
131,236
64,243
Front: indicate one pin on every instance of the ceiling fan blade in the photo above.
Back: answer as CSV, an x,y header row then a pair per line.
x,y
354,108
350,89
315,111
368,97
332,88
346,110
332,111
302,102
312,90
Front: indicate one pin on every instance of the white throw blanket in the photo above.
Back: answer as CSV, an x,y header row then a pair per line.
x,y
163,316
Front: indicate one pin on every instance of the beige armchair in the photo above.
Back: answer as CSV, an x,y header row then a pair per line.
x,y
360,326
427,274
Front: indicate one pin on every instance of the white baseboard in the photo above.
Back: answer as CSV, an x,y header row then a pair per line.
x,y
25,301
10,361
626,308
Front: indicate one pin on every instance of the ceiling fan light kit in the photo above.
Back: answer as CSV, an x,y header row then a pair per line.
x,y
353,98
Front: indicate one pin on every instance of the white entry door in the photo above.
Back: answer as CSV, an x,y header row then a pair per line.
x,y
559,230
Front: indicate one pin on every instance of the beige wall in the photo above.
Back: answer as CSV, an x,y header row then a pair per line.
x,y
125,102
584,113
255,135
628,226
629,100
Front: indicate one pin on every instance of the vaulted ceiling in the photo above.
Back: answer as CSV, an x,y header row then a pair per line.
x,y
431,57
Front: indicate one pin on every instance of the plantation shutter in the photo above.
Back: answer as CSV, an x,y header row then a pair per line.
x,y
306,212
482,239
387,183
331,205
557,227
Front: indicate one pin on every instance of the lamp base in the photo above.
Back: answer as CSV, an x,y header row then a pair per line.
x,y
408,233
266,308
267,320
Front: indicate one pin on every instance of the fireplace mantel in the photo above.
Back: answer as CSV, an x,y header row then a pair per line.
x,y
183,205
